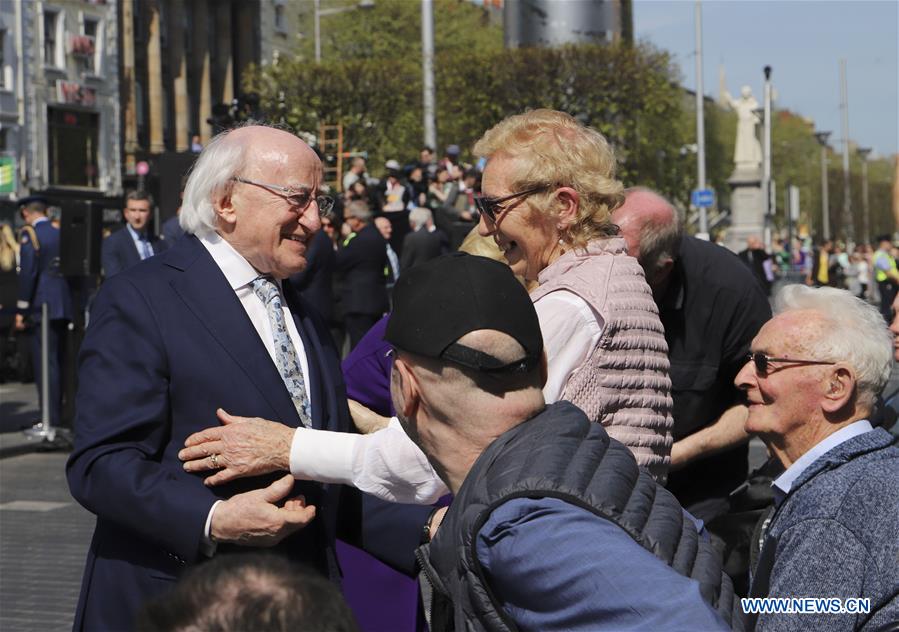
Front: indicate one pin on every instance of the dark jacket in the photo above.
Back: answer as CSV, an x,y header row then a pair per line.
x,y
560,454
362,264
421,246
40,280
315,283
119,251
835,535
168,343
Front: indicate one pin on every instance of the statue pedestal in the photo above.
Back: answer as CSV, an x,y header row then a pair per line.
x,y
747,208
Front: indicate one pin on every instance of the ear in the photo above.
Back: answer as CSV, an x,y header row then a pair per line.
x,y
839,388
569,203
662,272
409,387
225,210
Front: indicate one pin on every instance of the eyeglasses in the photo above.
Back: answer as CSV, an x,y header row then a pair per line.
x,y
761,361
296,198
489,206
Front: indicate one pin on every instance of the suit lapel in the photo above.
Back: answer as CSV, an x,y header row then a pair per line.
x,y
206,293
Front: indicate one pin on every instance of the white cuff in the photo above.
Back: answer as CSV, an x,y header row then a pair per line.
x,y
324,456
207,546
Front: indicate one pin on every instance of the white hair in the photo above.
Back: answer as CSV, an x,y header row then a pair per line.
x,y
210,179
420,216
855,333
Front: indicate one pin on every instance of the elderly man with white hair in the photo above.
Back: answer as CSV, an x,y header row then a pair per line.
x,y
212,322
812,378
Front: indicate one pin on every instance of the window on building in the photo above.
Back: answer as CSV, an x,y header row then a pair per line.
x,y
280,17
51,38
87,48
73,137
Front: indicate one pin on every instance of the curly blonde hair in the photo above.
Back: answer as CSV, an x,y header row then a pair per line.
x,y
554,149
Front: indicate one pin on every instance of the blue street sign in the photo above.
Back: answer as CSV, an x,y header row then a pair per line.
x,y
703,198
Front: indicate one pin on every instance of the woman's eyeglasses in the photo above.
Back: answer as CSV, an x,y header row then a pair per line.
x,y
491,206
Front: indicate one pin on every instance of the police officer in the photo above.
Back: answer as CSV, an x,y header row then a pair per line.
x,y
40,282
886,275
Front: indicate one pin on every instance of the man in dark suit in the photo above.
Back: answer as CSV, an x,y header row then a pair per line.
x,y
362,263
208,324
134,242
424,242
757,260
40,282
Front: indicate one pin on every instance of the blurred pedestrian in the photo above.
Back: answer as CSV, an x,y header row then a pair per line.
x,y
135,242
361,263
886,275
41,283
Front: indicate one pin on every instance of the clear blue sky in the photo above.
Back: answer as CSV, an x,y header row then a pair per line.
x,y
803,41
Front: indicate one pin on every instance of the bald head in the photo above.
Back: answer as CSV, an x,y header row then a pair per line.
x,y
270,146
652,230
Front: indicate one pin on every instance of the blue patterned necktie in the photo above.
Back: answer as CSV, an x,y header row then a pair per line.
x,y
285,354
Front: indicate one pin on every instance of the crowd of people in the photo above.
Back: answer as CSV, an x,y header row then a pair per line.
x,y
551,425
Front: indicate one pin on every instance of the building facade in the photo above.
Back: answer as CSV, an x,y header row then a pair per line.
x,y
59,113
181,66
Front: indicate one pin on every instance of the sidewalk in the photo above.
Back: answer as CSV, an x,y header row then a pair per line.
x,y
44,533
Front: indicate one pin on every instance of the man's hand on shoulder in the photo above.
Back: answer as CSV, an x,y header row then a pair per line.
x,y
240,447
255,519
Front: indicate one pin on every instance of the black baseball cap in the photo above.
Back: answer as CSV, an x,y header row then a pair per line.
x,y
438,302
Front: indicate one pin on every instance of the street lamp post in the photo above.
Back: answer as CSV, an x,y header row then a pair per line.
x,y
825,202
863,153
429,92
766,164
317,14
700,124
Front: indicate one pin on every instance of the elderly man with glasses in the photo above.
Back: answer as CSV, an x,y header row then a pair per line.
x,y
811,380
210,323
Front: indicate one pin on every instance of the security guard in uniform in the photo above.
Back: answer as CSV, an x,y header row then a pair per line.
x,y
40,281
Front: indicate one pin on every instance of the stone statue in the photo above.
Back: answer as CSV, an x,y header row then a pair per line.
x,y
748,152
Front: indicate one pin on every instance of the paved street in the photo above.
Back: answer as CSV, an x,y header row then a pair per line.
x,y
44,534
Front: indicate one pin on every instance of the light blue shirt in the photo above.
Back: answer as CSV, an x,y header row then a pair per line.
x,y
144,249
785,481
555,566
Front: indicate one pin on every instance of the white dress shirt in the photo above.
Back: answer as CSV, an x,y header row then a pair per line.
x,y
240,276
387,463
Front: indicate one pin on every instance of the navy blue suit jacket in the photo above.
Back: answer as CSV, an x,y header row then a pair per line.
x,y
119,251
168,343
40,280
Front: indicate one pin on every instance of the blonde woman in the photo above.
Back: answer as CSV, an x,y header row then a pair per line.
x,y
549,189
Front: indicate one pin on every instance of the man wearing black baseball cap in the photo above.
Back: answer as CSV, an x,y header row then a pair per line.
x,y
553,525
541,533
